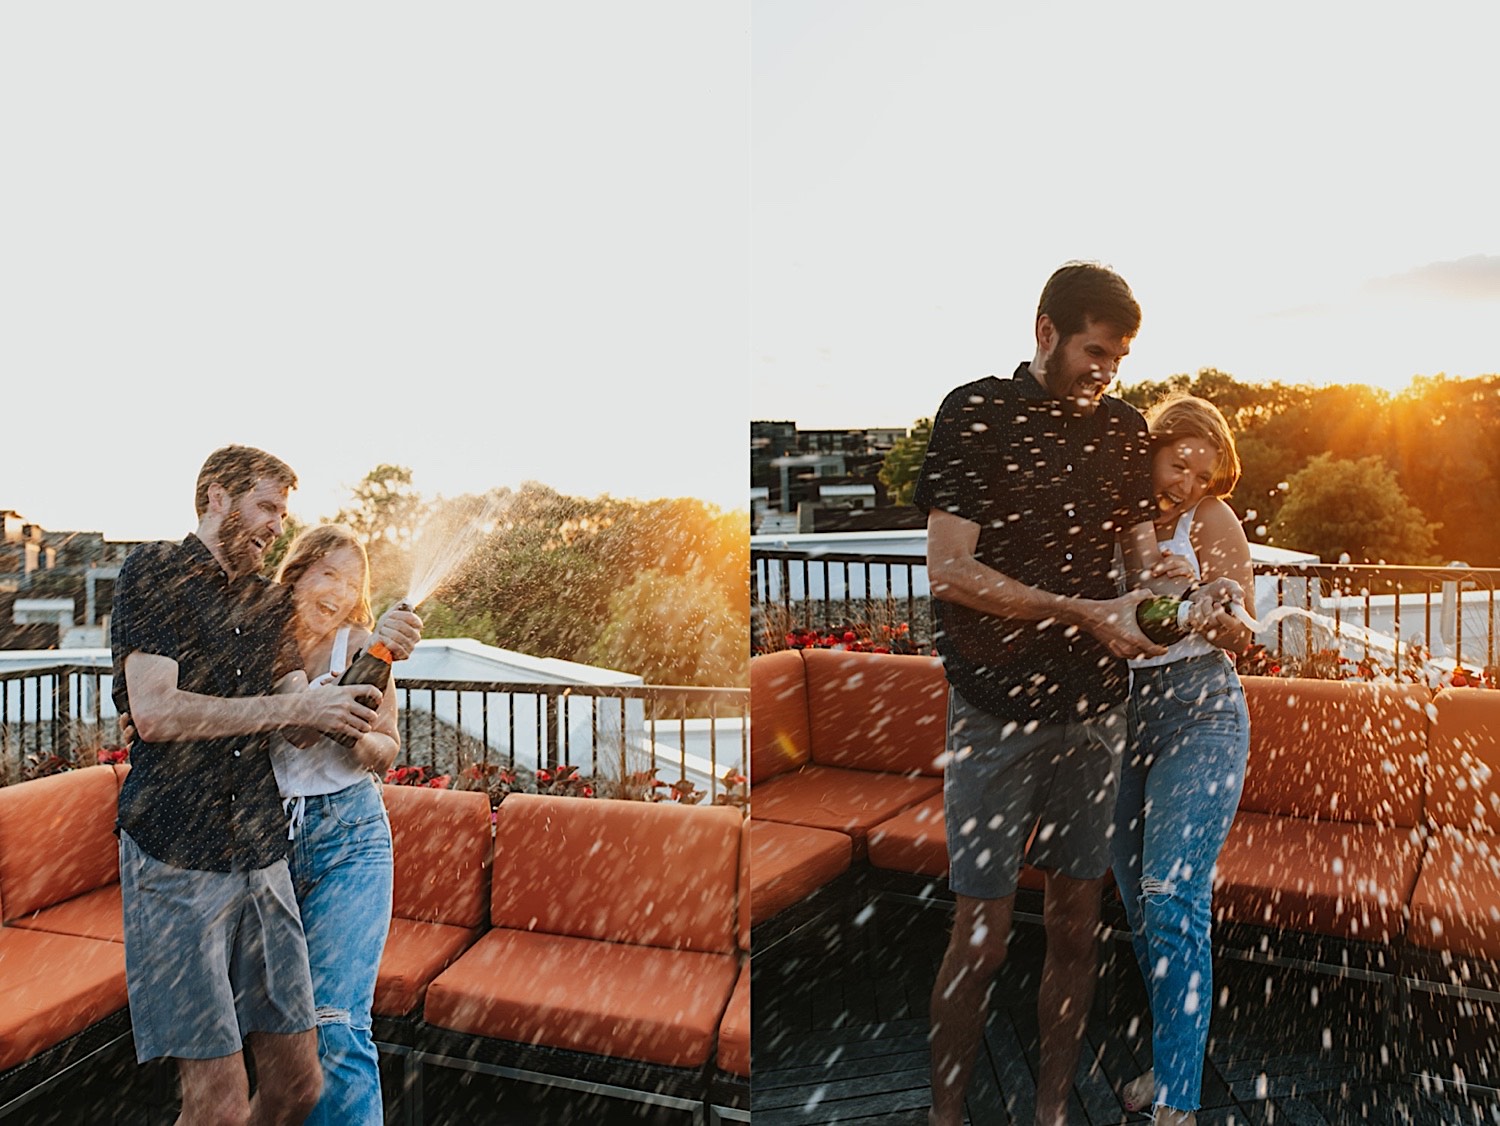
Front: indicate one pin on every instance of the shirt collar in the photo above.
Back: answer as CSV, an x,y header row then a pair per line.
x,y
1028,384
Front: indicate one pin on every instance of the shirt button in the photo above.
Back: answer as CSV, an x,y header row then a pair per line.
x,y
231,797
236,672
236,629
1069,555
236,754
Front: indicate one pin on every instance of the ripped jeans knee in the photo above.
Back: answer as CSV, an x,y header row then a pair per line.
x,y
326,1015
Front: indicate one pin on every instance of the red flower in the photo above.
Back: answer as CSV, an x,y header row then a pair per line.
x,y
114,754
440,782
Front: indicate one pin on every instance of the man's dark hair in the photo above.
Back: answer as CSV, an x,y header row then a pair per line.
x,y
1083,291
237,468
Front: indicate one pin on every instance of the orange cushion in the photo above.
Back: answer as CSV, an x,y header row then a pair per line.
x,y
734,1029
1456,904
1336,750
877,711
612,999
779,735
57,838
94,914
790,862
441,842
1465,779
616,870
54,985
849,801
1326,877
415,953
915,840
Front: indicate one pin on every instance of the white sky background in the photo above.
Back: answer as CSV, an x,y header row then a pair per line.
x,y
1293,193
490,242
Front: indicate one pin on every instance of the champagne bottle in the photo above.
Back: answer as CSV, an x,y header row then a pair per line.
x,y
1163,620
371,665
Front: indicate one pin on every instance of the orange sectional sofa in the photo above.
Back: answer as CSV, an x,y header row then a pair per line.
x,y
1370,814
612,933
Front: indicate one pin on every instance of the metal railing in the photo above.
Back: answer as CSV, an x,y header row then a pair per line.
x,y
57,715
1452,611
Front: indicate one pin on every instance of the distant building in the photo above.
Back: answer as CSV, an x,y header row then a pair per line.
x,y
811,479
66,569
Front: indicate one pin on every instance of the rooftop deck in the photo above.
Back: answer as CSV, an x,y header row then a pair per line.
x,y
840,1036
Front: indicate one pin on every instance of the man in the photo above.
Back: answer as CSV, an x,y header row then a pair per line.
x,y
214,952
1029,484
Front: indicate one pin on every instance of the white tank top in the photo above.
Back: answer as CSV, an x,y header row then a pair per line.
x,y
1194,644
326,767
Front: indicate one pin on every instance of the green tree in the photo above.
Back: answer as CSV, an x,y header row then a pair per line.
x,y
386,512
675,629
1335,507
903,462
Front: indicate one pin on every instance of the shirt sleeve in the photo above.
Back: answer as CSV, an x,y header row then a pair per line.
x,y
949,480
144,617
288,655
1137,501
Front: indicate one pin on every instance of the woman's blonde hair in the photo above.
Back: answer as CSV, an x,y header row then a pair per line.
x,y
1187,416
312,545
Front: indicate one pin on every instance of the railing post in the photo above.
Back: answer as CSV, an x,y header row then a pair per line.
x,y
62,709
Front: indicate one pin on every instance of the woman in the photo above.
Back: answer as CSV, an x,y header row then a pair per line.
x,y
341,851
1185,764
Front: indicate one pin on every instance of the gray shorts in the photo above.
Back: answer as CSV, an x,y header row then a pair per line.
x,y
210,956
1003,778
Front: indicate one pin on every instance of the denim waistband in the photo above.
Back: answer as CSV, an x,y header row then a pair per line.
x,y
1195,663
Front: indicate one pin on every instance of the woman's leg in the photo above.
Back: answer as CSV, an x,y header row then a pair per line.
x,y
344,889
1201,736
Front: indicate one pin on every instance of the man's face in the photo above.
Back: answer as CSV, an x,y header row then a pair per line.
x,y
1078,370
251,525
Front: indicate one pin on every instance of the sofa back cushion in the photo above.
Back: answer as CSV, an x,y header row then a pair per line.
x,y
57,838
1334,750
650,873
779,736
441,841
1464,783
877,711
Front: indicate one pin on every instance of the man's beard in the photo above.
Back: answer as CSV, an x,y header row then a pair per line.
x,y
1067,386
234,542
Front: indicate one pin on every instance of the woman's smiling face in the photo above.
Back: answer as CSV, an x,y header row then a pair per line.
x,y
1181,474
328,591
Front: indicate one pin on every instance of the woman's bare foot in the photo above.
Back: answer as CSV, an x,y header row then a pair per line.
x,y
1140,1092
1169,1116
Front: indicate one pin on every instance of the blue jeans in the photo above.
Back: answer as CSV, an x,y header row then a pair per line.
x,y
341,870
1180,783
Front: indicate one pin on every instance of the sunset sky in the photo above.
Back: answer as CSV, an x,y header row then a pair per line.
x,y
489,242
1292,194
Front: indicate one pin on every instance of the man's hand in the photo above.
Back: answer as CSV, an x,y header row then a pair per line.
x,y
339,709
1112,621
400,630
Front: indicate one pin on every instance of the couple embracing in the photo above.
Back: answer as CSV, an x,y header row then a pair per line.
x,y
255,852
1074,741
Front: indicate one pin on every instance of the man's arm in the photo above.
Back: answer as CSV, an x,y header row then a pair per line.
x,y
956,576
164,713
1147,568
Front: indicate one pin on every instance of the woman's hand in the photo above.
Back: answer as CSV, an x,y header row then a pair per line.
x,y
399,630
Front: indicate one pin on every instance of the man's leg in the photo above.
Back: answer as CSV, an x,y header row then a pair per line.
x,y
961,999
288,1078
214,1091
1069,973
